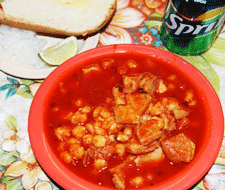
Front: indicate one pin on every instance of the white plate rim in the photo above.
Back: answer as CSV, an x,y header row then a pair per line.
x,y
30,73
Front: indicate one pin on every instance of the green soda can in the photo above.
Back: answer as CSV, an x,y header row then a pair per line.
x,y
190,27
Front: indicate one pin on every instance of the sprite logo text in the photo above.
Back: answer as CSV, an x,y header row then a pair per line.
x,y
177,25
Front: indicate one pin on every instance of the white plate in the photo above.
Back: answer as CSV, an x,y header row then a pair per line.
x,y
31,73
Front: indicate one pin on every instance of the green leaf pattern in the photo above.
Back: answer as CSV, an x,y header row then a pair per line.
x,y
8,158
216,55
204,66
11,123
18,87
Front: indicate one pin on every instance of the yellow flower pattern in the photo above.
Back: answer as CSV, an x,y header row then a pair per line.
x,y
29,169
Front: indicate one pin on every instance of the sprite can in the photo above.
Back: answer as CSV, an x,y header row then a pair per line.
x,y
190,27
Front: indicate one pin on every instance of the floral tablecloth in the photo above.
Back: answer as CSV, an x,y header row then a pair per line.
x,y
136,21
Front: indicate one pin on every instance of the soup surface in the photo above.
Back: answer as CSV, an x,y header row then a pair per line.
x,y
125,121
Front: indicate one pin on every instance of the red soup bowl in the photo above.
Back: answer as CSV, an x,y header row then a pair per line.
x,y
84,82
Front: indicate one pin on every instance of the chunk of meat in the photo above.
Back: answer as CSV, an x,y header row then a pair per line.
x,y
171,103
156,109
118,179
143,82
104,153
138,101
179,114
147,83
169,122
150,131
125,114
179,148
161,86
86,157
156,155
133,110
130,83
118,95
118,176
134,147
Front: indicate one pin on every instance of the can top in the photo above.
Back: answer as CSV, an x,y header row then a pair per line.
x,y
192,9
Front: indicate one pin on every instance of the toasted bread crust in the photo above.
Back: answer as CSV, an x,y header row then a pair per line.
x,y
25,24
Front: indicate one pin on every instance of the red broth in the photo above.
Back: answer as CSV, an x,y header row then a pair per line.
x,y
96,87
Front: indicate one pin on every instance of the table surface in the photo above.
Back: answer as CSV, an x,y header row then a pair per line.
x,y
136,21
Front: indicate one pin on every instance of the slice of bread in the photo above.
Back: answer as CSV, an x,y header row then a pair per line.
x,y
60,17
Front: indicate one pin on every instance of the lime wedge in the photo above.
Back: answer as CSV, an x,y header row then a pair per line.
x,y
60,52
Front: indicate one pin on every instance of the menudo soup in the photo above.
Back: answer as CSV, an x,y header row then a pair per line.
x,y
125,121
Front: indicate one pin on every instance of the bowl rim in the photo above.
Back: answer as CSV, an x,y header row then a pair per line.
x,y
57,171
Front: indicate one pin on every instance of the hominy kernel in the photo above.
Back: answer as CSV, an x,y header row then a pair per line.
x,y
100,163
79,102
128,131
192,103
90,128
97,111
122,137
79,131
99,130
71,141
87,139
62,132
112,138
150,176
56,108
108,122
162,86
172,77
99,141
132,64
120,149
77,151
61,86
61,146
189,96
108,100
78,117
171,86
107,63
137,181
91,68
122,70
68,115
66,157
105,113
86,109
97,124
145,117
114,128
